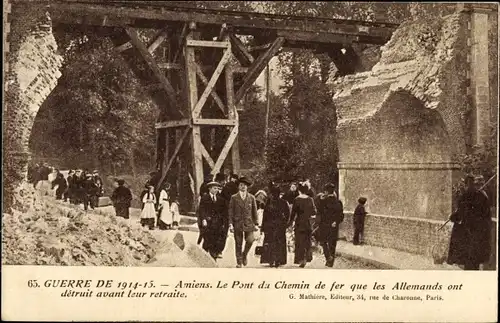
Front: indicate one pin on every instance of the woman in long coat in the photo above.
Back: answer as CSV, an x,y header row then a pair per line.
x,y
470,243
302,211
274,224
121,197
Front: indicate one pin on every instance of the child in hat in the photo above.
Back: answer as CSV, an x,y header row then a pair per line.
x,y
359,221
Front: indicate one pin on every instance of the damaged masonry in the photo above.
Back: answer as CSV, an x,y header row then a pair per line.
x,y
403,120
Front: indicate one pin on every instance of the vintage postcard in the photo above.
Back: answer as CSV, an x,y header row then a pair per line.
x,y
250,161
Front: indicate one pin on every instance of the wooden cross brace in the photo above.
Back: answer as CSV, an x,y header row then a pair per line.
x,y
150,61
178,147
209,88
257,67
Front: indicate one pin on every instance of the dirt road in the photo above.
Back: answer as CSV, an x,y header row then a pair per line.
x,y
189,231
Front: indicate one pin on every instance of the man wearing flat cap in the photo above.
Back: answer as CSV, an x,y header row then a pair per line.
x,y
212,219
243,220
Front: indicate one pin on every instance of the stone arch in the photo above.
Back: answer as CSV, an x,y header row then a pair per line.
x,y
34,64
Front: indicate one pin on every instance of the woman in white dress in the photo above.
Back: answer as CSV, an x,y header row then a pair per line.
x,y
165,220
148,214
176,217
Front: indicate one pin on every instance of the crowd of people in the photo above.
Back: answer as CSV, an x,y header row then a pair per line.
x,y
226,205
79,187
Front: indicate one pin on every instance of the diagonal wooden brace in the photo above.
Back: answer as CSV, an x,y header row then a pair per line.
x,y
206,155
162,36
134,39
257,68
172,158
151,48
225,150
214,95
209,88
240,50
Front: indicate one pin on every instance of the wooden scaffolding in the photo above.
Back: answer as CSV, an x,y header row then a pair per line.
x,y
208,70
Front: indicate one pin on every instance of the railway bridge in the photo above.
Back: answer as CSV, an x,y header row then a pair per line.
x,y
199,84
207,70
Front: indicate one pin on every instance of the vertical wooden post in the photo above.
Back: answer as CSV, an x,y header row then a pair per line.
x,y
268,102
158,161
178,181
232,113
166,155
197,158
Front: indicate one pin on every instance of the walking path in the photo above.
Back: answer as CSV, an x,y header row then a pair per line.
x,y
349,255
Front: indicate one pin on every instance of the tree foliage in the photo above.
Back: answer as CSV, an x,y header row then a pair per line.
x,y
302,137
100,111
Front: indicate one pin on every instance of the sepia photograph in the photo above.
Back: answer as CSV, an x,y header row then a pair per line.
x,y
250,134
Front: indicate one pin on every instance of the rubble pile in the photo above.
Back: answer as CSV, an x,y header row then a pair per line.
x,y
53,234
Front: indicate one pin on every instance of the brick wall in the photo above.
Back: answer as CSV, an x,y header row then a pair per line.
x,y
33,72
412,235
407,190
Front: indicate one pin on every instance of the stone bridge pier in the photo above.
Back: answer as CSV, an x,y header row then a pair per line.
x,y
32,68
403,124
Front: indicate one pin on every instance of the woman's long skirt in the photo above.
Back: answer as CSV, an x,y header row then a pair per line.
x,y
303,246
122,211
275,248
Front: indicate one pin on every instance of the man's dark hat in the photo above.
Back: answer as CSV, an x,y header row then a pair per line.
x,y
120,182
245,180
219,177
235,176
210,184
362,200
329,187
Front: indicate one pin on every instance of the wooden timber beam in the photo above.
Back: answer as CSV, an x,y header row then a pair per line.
x,y
240,70
192,100
240,51
207,43
173,123
214,95
232,114
257,68
123,47
151,48
162,36
210,86
181,39
134,39
259,47
172,158
207,157
215,122
308,37
170,66
175,66
127,13
225,150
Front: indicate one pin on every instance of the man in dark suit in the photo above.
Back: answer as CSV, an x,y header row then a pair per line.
x,y
330,215
243,220
212,218
230,188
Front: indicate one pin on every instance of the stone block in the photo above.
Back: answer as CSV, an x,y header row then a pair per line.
x,y
104,201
